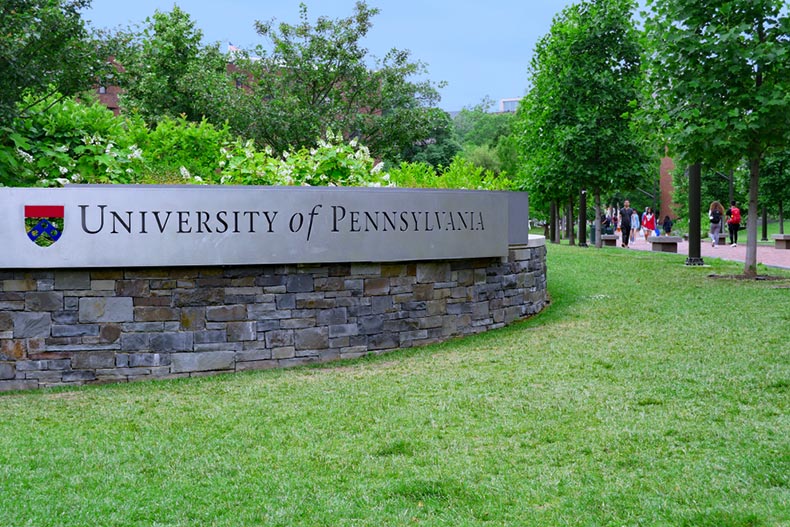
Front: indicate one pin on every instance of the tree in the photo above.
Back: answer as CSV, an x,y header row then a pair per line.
x,y
45,48
316,77
439,148
719,79
167,72
574,124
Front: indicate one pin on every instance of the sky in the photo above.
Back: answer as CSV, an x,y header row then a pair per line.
x,y
480,49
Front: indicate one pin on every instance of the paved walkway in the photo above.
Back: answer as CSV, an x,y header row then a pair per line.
x,y
766,254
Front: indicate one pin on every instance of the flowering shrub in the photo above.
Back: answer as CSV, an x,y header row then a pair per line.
x,y
62,141
74,142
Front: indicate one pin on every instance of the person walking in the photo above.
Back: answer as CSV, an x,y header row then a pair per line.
x,y
625,222
634,224
733,223
648,223
667,226
715,215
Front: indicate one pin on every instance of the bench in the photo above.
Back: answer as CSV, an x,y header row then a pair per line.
x,y
722,238
609,240
664,244
781,241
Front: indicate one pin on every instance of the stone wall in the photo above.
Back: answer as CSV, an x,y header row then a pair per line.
x,y
65,327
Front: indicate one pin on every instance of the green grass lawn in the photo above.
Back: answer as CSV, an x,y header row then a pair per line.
x,y
646,394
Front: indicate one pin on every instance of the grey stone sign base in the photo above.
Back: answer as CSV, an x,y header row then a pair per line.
x,y
72,327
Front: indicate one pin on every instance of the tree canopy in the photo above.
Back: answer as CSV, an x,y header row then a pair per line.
x,y
574,125
718,77
45,48
314,77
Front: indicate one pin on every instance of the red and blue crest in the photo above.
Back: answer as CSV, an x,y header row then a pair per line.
x,y
44,223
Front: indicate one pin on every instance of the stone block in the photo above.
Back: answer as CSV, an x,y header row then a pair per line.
x,y
65,317
7,386
148,360
210,337
423,291
93,360
383,341
6,322
311,338
20,285
171,341
72,280
48,301
31,325
202,361
366,269
377,286
299,283
343,330
242,331
286,352
103,285
7,371
75,330
132,288
135,341
155,314
226,313
297,323
252,355
79,376
43,365
433,272
371,324
381,304
105,309
193,318
279,338
198,297
327,317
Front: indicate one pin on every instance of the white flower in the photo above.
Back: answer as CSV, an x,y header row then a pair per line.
x,y
198,179
62,148
63,170
76,178
63,181
184,172
224,179
376,169
24,155
136,153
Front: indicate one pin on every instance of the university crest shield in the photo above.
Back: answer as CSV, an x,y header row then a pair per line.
x,y
44,223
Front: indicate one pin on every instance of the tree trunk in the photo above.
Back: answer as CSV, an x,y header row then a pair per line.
x,y
571,237
583,218
732,186
598,240
765,224
695,250
750,265
553,223
781,219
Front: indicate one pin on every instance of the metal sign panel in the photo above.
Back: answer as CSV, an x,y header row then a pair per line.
x,y
151,226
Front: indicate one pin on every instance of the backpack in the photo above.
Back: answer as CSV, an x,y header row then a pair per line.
x,y
715,216
735,215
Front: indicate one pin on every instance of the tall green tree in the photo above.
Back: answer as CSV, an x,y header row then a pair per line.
x,y
166,71
574,124
318,76
45,48
719,79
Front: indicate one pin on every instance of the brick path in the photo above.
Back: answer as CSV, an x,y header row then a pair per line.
x,y
766,254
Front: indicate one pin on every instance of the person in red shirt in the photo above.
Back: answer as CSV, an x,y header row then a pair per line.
x,y
648,223
733,223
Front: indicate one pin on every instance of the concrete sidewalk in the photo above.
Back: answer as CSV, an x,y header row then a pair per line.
x,y
766,254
